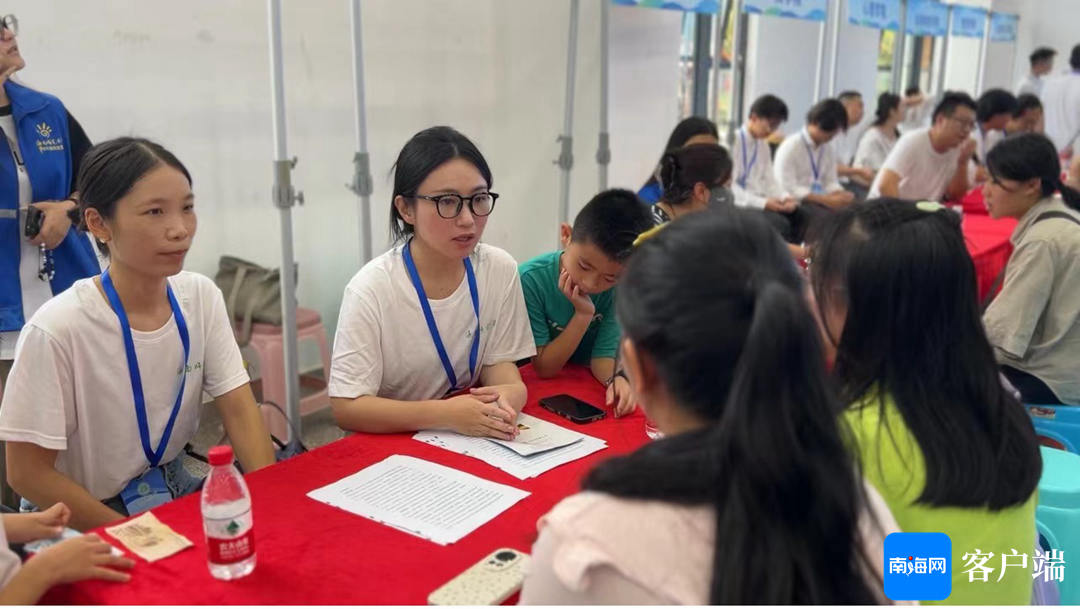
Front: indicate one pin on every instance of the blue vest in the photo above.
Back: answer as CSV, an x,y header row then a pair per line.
x,y
41,124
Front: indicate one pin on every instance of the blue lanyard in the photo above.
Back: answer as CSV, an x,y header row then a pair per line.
x,y
414,276
746,167
153,456
810,153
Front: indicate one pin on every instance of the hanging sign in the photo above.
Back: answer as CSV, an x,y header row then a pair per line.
x,y
878,14
689,6
814,10
968,22
927,18
1003,27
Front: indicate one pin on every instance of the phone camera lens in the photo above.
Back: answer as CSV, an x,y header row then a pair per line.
x,y
505,556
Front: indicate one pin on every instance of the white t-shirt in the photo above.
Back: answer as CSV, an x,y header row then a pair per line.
x,y
924,172
1061,109
383,346
874,148
10,563
760,181
985,142
1030,84
35,291
69,389
794,166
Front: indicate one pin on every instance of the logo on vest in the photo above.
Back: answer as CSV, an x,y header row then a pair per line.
x,y
47,143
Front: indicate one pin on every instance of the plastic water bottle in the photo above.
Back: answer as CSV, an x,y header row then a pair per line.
x,y
652,430
226,512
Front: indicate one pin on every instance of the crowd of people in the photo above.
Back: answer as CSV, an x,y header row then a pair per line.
x,y
809,342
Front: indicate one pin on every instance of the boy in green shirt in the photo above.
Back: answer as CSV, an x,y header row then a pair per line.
x,y
570,294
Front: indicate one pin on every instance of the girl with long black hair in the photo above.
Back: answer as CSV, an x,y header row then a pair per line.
x,y
878,141
752,496
1034,323
946,445
689,131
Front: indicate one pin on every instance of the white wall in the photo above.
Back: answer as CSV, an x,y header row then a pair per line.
x,y
1051,23
782,59
194,76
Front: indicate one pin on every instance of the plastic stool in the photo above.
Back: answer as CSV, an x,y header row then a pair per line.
x,y
1057,425
1058,513
266,340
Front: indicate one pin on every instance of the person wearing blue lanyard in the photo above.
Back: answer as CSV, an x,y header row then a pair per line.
x,y
805,164
429,332
109,376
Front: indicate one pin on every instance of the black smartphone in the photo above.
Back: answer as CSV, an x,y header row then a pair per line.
x,y
34,218
569,407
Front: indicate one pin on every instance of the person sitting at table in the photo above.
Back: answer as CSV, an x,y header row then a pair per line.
x,y
853,178
71,560
439,315
694,178
1028,117
993,112
878,141
1034,322
744,443
805,163
932,163
570,294
144,335
946,445
689,131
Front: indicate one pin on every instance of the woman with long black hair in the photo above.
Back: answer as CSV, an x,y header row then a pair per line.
x,y
946,445
878,141
1034,323
689,131
752,495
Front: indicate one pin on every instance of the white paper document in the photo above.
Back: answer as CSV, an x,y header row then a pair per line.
x,y
519,466
537,435
419,497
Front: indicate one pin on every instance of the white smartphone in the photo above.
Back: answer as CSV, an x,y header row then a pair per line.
x,y
489,582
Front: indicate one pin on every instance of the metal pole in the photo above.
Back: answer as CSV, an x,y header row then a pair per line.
x,y
898,51
361,182
820,62
984,46
566,154
702,35
834,47
603,150
284,198
738,69
718,61
945,53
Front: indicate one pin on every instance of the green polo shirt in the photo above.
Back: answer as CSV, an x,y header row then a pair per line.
x,y
550,310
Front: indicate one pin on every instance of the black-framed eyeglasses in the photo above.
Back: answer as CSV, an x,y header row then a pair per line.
x,y
450,205
11,23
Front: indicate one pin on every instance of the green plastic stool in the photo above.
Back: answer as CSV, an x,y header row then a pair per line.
x,y
1058,515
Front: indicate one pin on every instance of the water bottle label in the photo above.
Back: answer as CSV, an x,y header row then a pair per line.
x,y
228,551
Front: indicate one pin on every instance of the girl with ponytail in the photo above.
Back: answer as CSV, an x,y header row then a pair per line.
x,y
1034,323
879,140
937,434
751,497
692,179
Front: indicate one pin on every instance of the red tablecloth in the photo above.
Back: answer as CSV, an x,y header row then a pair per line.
x,y
311,553
988,243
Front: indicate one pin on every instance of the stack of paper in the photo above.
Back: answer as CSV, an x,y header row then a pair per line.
x,y
539,447
421,498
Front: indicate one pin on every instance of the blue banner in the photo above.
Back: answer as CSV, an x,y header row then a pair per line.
x,y
1003,27
968,21
927,18
879,14
814,10
691,6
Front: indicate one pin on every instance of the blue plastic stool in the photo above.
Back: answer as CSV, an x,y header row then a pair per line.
x,y
1058,515
1057,425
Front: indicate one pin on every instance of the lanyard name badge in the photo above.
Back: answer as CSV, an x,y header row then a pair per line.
x,y
816,187
433,328
747,166
148,490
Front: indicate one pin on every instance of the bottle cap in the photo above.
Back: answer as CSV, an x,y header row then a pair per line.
x,y
220,455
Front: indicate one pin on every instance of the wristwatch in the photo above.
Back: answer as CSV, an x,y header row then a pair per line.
x,y
621,373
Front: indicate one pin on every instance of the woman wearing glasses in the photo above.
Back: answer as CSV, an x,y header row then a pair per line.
x,y
429,331
40,151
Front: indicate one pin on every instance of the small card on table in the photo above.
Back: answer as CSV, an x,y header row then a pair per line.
x,y
149,538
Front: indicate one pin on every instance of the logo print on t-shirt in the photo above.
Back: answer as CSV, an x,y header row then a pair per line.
x,y
44,130
47,143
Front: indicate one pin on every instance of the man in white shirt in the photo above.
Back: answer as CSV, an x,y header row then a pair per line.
x,y
1061,107
753,182
1042,62
993,112
932,163
856,179
805,164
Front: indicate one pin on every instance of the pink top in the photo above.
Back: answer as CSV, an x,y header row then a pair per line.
x,y
597,549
